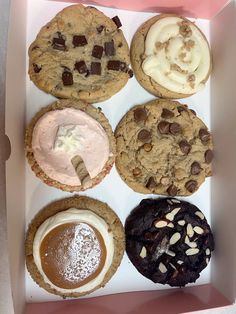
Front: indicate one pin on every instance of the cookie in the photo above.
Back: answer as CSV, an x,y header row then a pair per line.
x,y
169,241
74,246
170,56
80,54
70,145
163,148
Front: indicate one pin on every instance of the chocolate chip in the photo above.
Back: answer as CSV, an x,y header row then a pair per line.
x,y
37,69
204,135
113,65
131,73
208,156
79,40
96,68
181,109
59,44
167,114
195,168
191,186
67,78
100,29
120,45
185,147
164,127
140,115
175,128
144,136
81,67
109,48
147,147
136,171
97,51
151,184
172,190
117,21
193,111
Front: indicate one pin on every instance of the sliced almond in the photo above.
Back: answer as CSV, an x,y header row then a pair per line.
x,y
186,240
143,252
170,253
199,214
175,211
162,268
198,230
190,231
160,224
180,262
173,266
170,225
181,222
207,260
192,244
175,238
175,201
170,216
192,251
169,202
208,252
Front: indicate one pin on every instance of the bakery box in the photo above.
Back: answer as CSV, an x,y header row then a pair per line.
x,y
23,195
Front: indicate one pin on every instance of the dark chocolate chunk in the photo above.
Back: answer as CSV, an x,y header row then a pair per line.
x,y
109,48
100,28
67,78
185,147
191,186
114,65
204,135
175,128
96,68
140,115
167,114
37,69
117,21
164,127
151,184
195,168
120,45
79,40
209,156
81,67
144,136
59,44
172,190
97,51
131,73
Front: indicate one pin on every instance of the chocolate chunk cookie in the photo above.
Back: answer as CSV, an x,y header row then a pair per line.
x,y
169,241
81,54
163,148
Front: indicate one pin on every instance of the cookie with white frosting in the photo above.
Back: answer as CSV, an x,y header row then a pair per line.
x,y
170,56
74,246
70,145
168,240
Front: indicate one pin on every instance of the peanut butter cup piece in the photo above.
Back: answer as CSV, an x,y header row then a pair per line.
x,y
167,114
140,115
209,156
164,127
191,186
144,136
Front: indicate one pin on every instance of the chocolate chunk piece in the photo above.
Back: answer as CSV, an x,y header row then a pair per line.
x,y
185,147
97,51
109,48
37,69
191,186
96,68
79,40
144,136
59,44
81,67
209,156
116,65
117,21
167,114
131,73
67,78
175,128
204,135
164,127
151,184
195,168
172,190
140,115
100,28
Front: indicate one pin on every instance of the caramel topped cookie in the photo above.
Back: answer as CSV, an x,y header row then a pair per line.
x,y
169,241
163,148
81,54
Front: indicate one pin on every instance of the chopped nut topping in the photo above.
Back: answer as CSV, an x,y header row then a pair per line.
x,y
159,45
188,45
175,67
182,55
191,80
184,29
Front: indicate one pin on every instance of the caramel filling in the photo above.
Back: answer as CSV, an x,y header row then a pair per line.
x,y
72,254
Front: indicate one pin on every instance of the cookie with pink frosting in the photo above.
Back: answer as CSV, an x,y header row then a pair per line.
x,y
170,56
70,145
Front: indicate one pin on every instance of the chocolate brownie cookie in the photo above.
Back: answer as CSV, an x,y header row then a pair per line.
x,y
81,54
170,56
169,241
163,148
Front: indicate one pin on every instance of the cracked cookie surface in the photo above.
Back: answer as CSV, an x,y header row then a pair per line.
x,y
81,54
163,148
169,241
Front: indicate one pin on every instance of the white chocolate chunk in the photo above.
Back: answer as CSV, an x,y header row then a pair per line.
x,y
143,252
198,230
192,251
160,224
190,231
199,214
175,238
162,268
181,222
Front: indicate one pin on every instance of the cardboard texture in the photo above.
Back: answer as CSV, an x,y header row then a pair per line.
x,y
26,195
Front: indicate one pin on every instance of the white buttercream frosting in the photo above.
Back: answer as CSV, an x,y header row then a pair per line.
x,y
60,135
179,63
74,215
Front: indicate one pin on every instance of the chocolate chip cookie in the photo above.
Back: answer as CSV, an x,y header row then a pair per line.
x,y
169,241
81,54
163,148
